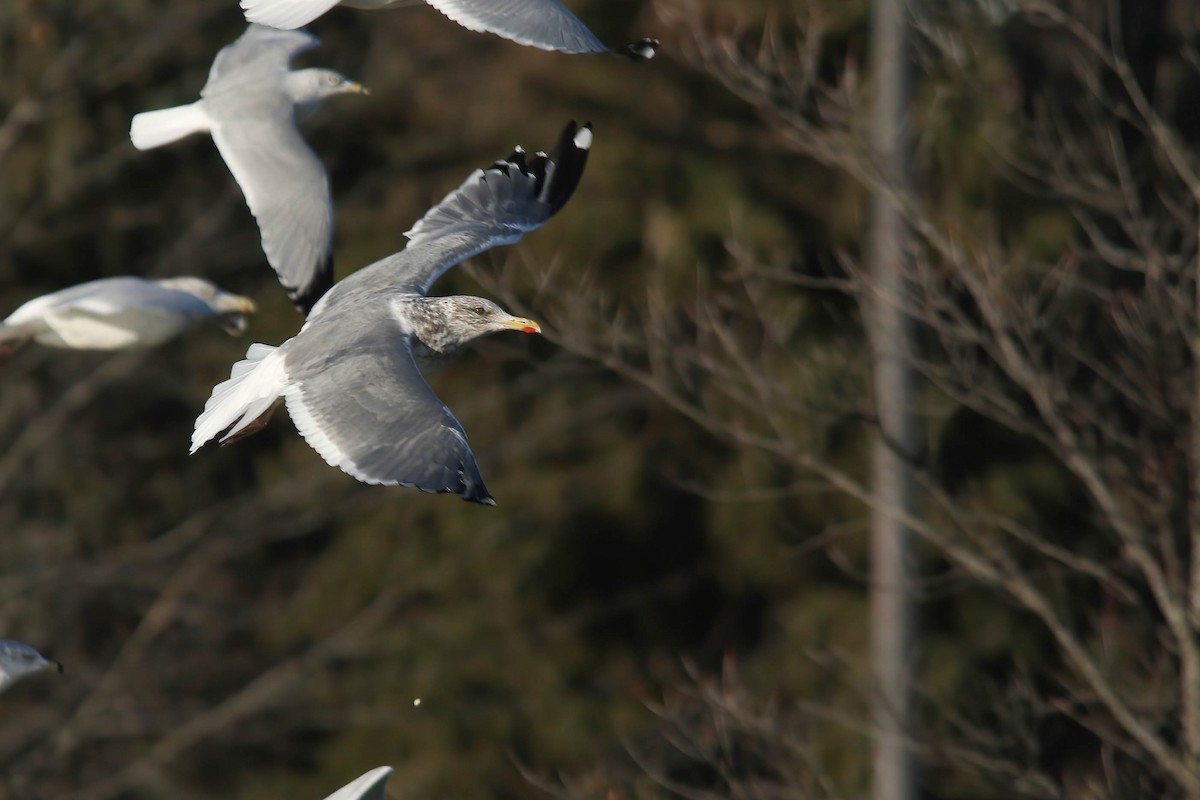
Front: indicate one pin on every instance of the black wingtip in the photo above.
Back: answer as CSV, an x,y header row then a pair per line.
x,y
641,50
555,175
58,664
566,165
305,297
476,493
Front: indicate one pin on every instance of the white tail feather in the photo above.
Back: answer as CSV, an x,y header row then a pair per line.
x,y
254,384
155,128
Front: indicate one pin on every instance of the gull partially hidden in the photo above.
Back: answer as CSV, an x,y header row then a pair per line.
x,y
19,660
250,105
369,786
350,377
546,24
122,312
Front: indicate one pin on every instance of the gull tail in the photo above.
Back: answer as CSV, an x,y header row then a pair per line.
x,y
255,384
155,128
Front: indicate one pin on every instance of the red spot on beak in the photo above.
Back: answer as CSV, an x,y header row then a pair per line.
x,y
531,329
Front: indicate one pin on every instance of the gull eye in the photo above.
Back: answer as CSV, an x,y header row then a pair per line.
x,y
333,80
480,310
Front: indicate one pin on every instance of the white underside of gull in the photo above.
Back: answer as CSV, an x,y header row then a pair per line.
x,y
80,329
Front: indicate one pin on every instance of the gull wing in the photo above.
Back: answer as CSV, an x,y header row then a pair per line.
x,y
357,397
369,786
493,206
285,13
287,190
259,51
110,296
546,24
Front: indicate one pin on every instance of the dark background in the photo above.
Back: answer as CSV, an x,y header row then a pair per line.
x,y
669,598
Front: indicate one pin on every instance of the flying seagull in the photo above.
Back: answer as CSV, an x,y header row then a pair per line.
x,y
122,312
18,660
350,377
546,24
250,105
369,786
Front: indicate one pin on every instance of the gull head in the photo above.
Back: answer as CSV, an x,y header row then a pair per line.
x,y
232,309
471,317
308,87
447,324
18,660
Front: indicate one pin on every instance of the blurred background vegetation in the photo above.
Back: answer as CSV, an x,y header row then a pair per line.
x,y
670,598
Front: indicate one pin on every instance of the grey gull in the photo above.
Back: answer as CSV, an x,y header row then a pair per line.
x,y
350,377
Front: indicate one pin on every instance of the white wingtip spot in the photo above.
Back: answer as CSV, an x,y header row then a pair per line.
x,y
583,139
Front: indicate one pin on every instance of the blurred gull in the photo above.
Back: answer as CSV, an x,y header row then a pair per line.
x,y
369,786
350,377
122,312
18,660
250,105
538,23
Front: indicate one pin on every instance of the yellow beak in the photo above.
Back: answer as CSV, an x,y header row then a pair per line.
x,y
523,325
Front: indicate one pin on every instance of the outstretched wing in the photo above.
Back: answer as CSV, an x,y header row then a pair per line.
x,y
288,192
357,398
493,206
285,185
261,49
547,24
285,13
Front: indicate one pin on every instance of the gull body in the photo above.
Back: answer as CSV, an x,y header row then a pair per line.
x,y
250,105
545,24
122,312
351,377
19,660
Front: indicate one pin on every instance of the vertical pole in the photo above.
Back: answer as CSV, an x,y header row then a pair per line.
x,y
891,335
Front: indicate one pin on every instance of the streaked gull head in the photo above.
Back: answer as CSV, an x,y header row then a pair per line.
x,y
446,325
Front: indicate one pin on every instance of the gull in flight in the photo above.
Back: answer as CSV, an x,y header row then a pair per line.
x,y
18,660
546,24
122,312
351,377
250,105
